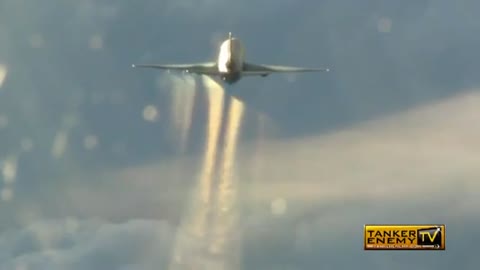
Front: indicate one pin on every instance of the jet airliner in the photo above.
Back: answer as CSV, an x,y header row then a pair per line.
x,y
231,66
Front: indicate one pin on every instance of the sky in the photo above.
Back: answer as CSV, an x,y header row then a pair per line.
x,y
107,167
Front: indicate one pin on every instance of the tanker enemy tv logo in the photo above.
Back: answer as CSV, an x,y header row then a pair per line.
x,y
404,237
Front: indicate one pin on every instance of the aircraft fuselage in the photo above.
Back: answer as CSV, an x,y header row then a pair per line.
x,y
230,60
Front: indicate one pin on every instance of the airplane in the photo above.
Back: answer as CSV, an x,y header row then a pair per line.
x,y
230,66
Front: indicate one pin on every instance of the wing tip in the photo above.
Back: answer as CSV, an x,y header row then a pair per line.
x,y
134,66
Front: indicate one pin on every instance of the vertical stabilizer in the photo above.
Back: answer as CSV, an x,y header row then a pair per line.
x,y
231,43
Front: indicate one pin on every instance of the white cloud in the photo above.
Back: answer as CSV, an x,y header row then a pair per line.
x,y
146,244
49,244
410,168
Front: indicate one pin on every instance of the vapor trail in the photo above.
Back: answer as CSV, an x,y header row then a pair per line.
x,y
225,220
183,96
3,74
189,252
215,104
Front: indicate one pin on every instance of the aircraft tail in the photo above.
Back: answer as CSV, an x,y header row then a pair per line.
x,y
230,37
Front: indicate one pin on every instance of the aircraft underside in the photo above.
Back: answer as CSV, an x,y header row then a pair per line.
x,y
231,77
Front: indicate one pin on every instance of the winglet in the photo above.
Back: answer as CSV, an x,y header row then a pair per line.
x,y
229,35
133,66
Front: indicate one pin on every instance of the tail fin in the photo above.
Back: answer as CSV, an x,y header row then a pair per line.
x,y
230,39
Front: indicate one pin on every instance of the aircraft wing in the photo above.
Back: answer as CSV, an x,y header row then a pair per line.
x,y
264,70
209,68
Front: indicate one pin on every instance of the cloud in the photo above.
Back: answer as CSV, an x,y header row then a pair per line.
x,y
324,241
90,244
414,167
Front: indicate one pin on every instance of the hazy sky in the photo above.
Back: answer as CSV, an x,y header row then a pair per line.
x,y
107,167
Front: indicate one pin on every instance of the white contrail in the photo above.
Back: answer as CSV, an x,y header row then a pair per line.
x,y
3,74
203,242
189,249
215,105
225,233
182,91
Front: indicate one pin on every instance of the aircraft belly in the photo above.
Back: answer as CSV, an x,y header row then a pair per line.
x,y
231,77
